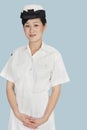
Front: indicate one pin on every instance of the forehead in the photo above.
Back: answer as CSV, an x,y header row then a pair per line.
x,y
35,20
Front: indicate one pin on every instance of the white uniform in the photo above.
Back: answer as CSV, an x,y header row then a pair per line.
x,y
33,76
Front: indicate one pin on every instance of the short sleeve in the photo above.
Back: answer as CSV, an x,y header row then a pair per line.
x,y
59,74
8,70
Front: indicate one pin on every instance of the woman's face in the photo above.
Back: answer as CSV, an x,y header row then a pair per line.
x,y
34,29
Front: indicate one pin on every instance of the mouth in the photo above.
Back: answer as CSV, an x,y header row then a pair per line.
x,y
32,35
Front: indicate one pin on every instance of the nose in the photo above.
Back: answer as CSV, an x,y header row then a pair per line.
x,y
31,29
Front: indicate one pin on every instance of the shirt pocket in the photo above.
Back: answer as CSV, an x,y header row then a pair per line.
x,y
43,69
21,69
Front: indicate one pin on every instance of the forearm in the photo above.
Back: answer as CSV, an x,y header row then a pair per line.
x,y
52,101
11,96
50,107
25,119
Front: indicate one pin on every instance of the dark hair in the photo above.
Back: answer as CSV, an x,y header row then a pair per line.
x,y
31,14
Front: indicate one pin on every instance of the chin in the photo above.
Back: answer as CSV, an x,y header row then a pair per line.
x,y
34,40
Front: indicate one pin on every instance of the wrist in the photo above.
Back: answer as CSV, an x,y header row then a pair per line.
x,y
45,117
16,113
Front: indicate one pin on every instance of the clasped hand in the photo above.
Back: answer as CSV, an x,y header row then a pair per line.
x,y
29,121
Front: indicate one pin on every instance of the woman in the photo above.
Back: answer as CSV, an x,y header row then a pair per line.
x,y
31,72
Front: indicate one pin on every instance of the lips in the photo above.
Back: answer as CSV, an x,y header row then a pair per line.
x,y
32,35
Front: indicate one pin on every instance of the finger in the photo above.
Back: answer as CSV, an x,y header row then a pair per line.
x,y
27,117
26,120
30,125
29,120
32,120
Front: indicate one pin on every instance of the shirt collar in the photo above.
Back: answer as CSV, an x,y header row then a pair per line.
x,y
41,48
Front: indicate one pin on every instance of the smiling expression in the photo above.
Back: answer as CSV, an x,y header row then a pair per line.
x,y
34,29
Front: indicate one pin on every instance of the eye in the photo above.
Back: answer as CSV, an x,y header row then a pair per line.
x,y
36,25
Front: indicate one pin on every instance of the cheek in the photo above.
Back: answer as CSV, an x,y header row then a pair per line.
x,y
40,30
25,31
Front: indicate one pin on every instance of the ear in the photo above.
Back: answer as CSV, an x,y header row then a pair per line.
x,y
45,26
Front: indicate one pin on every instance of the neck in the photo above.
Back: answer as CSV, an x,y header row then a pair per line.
x,y
35,45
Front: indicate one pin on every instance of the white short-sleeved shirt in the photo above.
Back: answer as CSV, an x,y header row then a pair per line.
x,y
33,76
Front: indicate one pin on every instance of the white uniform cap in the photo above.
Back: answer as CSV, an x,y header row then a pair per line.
x,y
33,6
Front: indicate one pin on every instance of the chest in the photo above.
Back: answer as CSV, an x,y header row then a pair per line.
x,y
39,66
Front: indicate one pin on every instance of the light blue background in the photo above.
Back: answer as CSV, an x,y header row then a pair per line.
x,y
67,31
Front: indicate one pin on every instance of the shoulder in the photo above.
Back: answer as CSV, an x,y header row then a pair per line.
x,y
55,54
52,50
19,50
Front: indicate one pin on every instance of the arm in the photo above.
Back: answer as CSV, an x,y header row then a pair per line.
x,y
13,103
11,96
52,101
50,107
